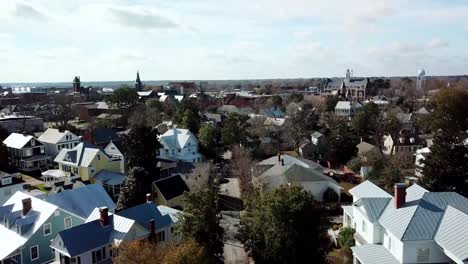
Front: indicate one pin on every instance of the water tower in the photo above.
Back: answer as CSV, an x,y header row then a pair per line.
x,y
421,79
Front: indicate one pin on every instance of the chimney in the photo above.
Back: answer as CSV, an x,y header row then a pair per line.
x,y
149,198
279,157
400,195
282,162
27,205
104,211
152,228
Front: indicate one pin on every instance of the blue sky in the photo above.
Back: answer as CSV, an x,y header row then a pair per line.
x,y
54,40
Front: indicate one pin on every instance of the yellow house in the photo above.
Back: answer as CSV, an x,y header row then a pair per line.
x,y
170,191
86,160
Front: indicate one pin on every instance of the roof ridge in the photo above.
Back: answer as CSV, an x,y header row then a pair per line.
x,y
441,218
414,213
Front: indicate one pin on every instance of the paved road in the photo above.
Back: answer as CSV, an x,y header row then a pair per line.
x,y
234,252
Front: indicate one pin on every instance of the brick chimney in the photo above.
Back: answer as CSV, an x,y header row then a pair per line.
x,y
282,162
27,205
149,198
400,195
104,211
279,157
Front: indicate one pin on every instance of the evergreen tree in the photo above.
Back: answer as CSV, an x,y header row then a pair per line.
x,y
206,135
135,188
284,226
140,147
341,140
446,167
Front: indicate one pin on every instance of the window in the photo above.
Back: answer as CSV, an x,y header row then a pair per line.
x,y
18,229
34,252
5,223
364,226
57,213
97,256
7,181
67,222
423,254
99,157
161,236
75,260
47,229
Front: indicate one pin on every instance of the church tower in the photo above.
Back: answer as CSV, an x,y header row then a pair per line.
x,y
138,84
76,85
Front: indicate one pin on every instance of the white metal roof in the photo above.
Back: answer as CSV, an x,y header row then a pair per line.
x,y
177,138
121,225
368,190
17,141
374,254
453,233
9,239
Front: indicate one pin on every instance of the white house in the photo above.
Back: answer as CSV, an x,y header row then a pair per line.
x,y
412,226
403,144
421,155
284,170
179,144
55,140
26,152
347,108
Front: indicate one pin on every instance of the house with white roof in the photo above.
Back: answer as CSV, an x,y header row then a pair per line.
x,y
27,225
285,170
411,226
347,108
9,185
179,144
421,155
86,160
95,240
55,140
26,152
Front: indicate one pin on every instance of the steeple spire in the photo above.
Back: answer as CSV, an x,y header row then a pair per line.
x,y
138,84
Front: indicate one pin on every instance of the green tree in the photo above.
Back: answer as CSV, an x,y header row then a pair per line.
x,y
122,99
191,121
446,167
234,130
450,110
331,102
200,221
206,135
3,149
341,140
364,121
296,98
140,146
284,226
136,186
346,237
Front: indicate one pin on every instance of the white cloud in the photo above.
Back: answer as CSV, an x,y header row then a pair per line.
x,y
141,18
437,43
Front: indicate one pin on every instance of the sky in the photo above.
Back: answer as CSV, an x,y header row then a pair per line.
x,y
107,40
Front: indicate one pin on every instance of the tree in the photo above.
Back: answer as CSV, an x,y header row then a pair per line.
x,y
61,111
303,122
240,167
140,147
296,98
145,116
283,226
340,256
331,102
364,120
122,99
206,135
341,140
346,237
275,101
136,186
234,130
450,108
191,121
3,149
446,167
200,221
142,252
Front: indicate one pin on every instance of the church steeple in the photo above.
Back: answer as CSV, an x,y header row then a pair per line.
x,y
76,85
138,84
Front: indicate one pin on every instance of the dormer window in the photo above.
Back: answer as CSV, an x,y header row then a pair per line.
x,y
33,143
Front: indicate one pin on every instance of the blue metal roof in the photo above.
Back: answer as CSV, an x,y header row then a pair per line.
x,y
109,178
82,201
85,237
143,213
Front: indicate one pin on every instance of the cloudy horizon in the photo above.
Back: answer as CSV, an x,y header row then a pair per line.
x,y
109,40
